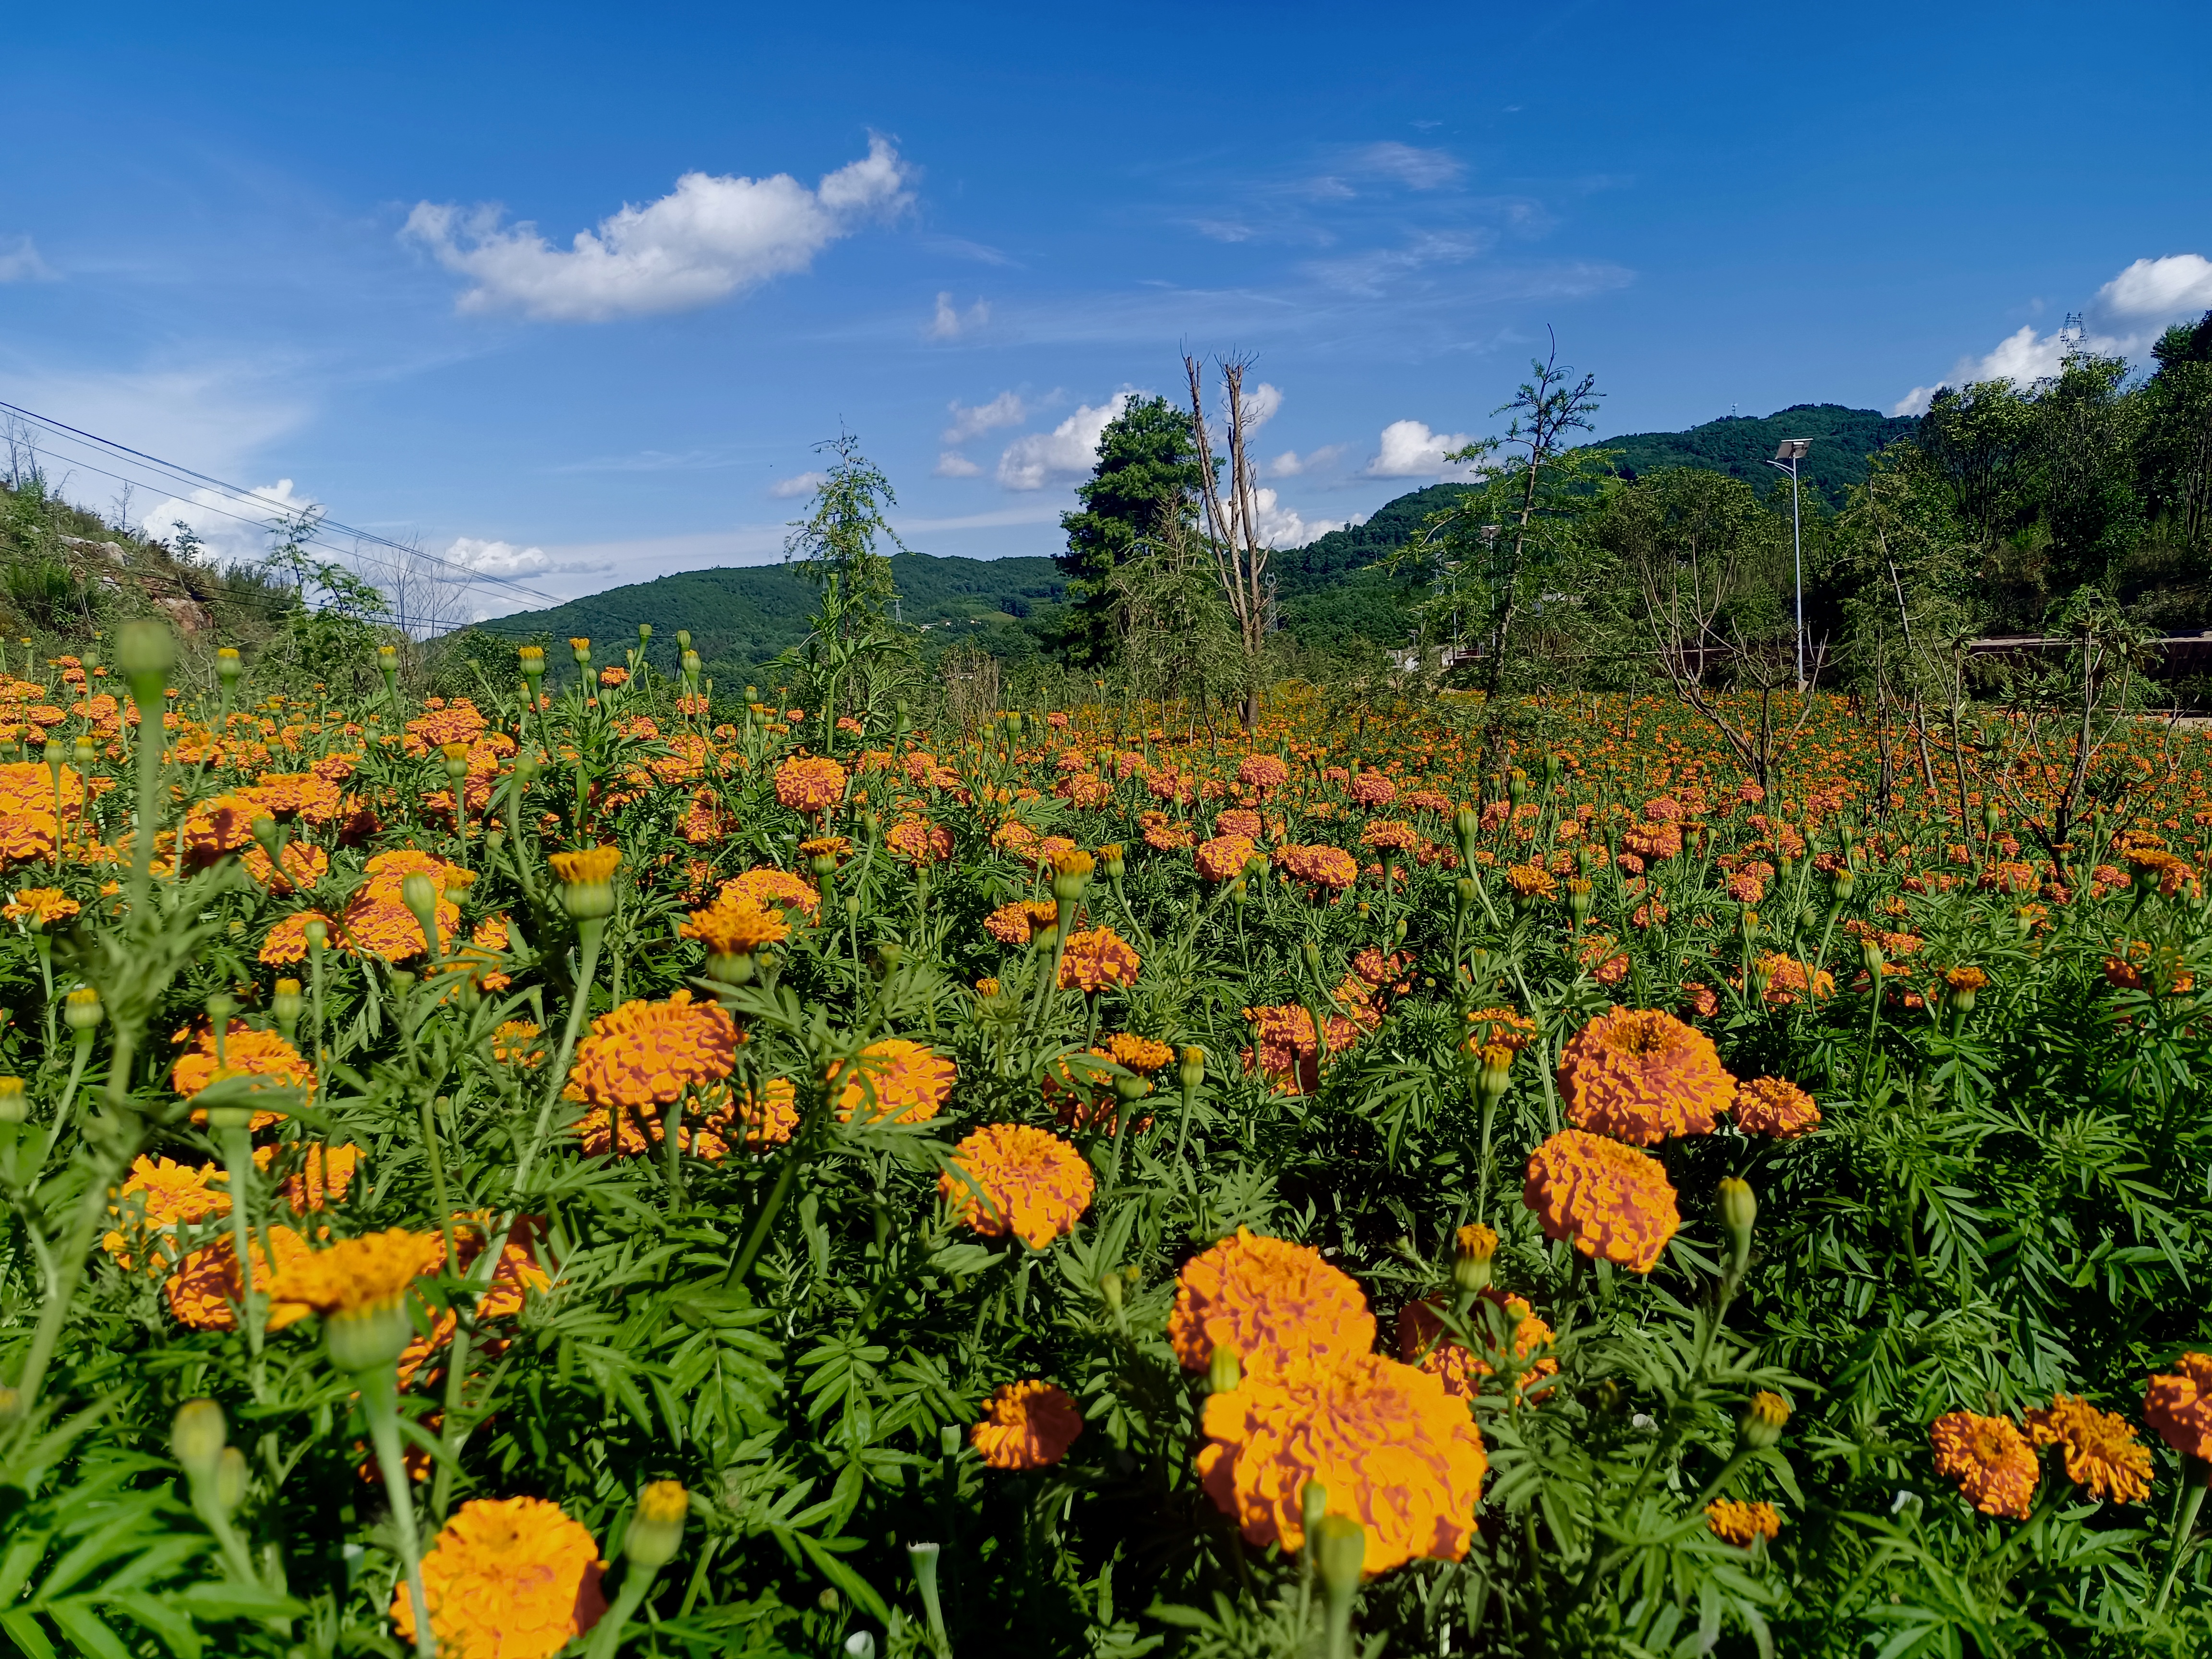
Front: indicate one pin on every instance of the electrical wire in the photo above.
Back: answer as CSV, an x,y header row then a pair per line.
x,y
189,482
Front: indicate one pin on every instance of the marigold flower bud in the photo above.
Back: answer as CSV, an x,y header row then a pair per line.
x,y
692,666
145,653
1071,874
1109,1292
587,892
369,1339
196,1437
1463,895
582,651
656,1530
644,634
285,1004
1739,1207
1579,901
81,1012
228,667
1110,857
1190,1071
1340,1554
1762,1424
1470,1261
533,660
1495,1075
231,1476
317,934
1846,881
1223,1373
15,1106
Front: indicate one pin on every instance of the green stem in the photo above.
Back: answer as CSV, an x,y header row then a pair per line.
x,y
2196,1474
777,1194
380,1403
69,1271
69,1099
606,1635
238,1162
591,933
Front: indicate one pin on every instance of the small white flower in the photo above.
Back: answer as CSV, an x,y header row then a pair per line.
x,y
1643,1420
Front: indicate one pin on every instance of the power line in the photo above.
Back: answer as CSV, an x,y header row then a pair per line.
x,y
193,481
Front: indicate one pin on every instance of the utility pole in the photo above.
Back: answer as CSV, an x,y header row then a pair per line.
x,y
1792,450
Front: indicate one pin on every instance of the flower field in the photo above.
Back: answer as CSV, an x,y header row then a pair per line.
x,y
591,1168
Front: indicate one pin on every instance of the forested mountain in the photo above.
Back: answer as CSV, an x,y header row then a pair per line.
x,y
740,619
1330,592
1741,446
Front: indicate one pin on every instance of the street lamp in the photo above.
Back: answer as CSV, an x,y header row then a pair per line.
x,y
1787,455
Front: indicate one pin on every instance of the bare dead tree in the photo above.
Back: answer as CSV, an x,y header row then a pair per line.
x,y
1232,524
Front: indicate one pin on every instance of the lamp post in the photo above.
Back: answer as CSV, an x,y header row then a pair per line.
x,y
1787,455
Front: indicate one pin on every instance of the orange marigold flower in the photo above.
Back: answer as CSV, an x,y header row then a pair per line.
x,y
159,1196
288,940
2099,1448
1396,1452
515,1044
1606,1199
908,1082
588,867
1390,835
1162,834
1238,822
320,1177
206,1290
1640,1075
1787,981
811,784
1528,881
920,842
1027,1425
735,926
1096,958
1373,789
1268,1302
246,1053
649,1052
1263,772
770,1116
2177,1405
1223,858
42,906
507,1578
361,1275
1283,1045
1330,868
1774,1106
1737,1524
1137,1054
770,886
1019,922
1422,1341
1993,1464
1499,1028
1009,1178
1966,979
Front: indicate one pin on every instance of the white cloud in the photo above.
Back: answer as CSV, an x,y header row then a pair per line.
x,y
949,325
2160,290
1037,458
952,464
1278,526
713,236
1290,465
1261,406
972,421
2127,313
798,483
230,531
215,417
1368,273
1410,450
20,262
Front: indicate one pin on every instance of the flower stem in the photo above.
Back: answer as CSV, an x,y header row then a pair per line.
x,y
590,931
379,1390
606,1635
2195,1472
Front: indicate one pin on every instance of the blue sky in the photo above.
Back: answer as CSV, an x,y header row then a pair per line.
x,y
339,246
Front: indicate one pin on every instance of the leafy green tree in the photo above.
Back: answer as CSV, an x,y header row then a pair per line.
x,y
2177,447
1146,480
2087,421
857,653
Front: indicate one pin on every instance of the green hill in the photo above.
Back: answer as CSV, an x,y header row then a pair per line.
x,y
1741,446
742,618
1331,595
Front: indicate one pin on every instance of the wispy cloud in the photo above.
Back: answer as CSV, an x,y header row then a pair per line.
x,y
949,323
20,262
973,420
798,483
